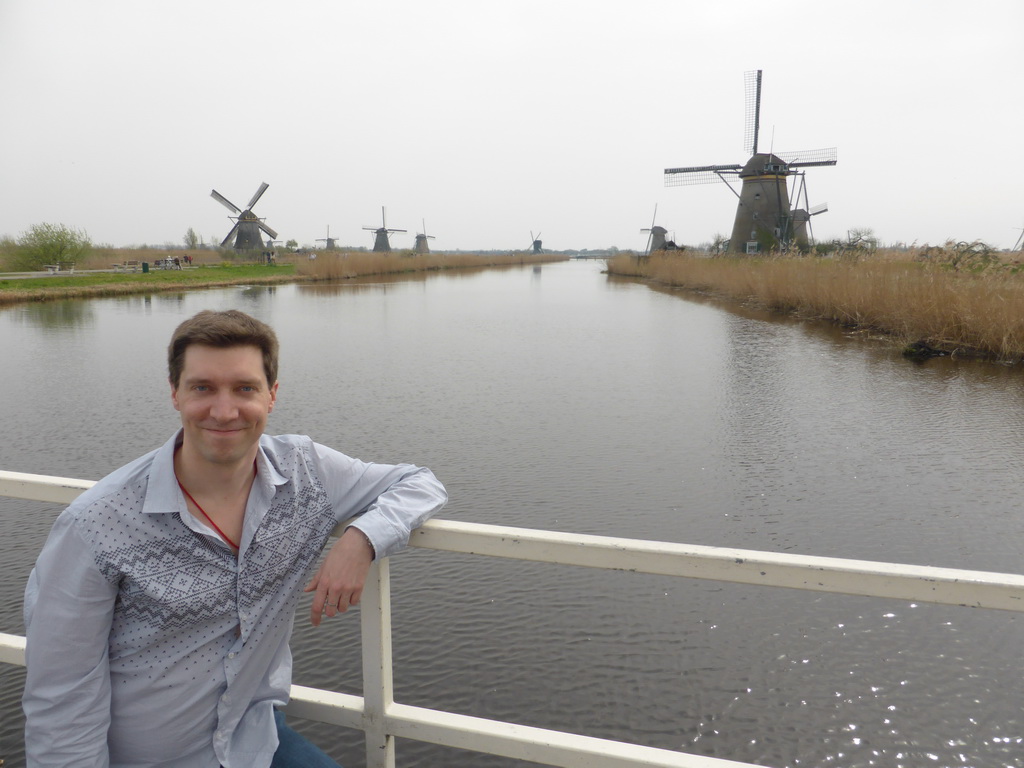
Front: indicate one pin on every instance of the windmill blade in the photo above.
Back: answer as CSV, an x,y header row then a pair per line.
x,y
537,237
752,124
268,230
258,195
397,230
224,201
231,234
654,216
699,174
809,157
820,208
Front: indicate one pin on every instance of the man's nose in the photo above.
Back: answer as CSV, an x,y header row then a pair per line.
x,y
224,407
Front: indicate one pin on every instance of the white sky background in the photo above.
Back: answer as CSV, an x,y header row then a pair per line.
x,y
491,120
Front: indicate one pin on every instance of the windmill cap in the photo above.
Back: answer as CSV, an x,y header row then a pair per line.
x,y
758,164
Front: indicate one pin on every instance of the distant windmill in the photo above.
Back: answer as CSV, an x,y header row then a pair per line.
x,y
535,243
764,219
655,235
328,241
247,225
421,240
803,232
381,241
1019,245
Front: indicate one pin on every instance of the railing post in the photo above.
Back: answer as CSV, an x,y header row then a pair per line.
x,y
378,681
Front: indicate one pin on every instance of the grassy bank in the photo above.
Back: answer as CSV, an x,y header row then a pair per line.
x,y
923,301
210,272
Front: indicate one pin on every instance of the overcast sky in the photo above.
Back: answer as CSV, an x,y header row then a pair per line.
x,y
493,120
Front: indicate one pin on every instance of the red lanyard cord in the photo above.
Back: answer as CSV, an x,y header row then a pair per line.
x,y
208,518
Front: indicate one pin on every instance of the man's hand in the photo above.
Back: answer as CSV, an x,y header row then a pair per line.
x,y
340,580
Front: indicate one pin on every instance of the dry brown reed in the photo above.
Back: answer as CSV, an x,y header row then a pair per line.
x,y
931,304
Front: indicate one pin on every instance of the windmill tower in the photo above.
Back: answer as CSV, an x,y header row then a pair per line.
x,y
535,243
327,241
803,232
247,225
381,240
421,240
655,235
764,216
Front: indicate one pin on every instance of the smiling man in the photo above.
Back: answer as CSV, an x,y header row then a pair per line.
x,y
159,611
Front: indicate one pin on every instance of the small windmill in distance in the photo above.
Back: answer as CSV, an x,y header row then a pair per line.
x,y
1019,245
655,235
381,240
328,241
247,225
421,240
535,243
764,217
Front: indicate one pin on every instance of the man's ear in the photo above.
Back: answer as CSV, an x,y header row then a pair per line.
x,y
273,397
174,395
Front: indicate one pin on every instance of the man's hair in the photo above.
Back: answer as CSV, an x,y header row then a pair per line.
x,y
230,328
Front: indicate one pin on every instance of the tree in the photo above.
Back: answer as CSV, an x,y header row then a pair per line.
x,y
191,239
862,237
293,244
46,244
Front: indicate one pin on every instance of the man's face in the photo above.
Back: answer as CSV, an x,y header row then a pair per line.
x,y
224,400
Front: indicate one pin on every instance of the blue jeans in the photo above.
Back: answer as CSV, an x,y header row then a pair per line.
x,y
296,751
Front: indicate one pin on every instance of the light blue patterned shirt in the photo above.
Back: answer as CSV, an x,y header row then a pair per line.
x,y
150,644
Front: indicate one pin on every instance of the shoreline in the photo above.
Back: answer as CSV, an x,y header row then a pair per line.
x,y
21,287
927,309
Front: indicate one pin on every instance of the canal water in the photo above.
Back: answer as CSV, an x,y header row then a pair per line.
x,y
558,398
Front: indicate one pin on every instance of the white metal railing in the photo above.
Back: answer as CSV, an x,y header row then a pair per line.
x,y
383,719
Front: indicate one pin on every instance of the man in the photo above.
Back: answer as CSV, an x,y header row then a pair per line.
x,y
159,611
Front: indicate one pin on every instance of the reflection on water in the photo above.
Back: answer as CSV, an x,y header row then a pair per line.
x,y
568,400
53,315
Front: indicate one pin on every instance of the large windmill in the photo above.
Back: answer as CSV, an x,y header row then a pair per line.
x,y
536,243
327,241
421,240
381,240
247,225
765,218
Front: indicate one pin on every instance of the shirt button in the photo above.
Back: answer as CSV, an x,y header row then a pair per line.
x,y
231,655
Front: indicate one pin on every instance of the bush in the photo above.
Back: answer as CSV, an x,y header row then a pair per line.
x,y
46,244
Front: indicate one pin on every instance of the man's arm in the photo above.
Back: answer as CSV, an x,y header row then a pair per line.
x,y
340,580
69,607
392,500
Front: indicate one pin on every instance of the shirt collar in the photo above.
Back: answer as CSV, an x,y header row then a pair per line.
x,y
162,493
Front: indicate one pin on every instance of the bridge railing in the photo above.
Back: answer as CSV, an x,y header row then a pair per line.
x,y
382,719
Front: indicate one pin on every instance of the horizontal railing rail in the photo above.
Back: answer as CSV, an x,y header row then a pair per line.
x,y
383,720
